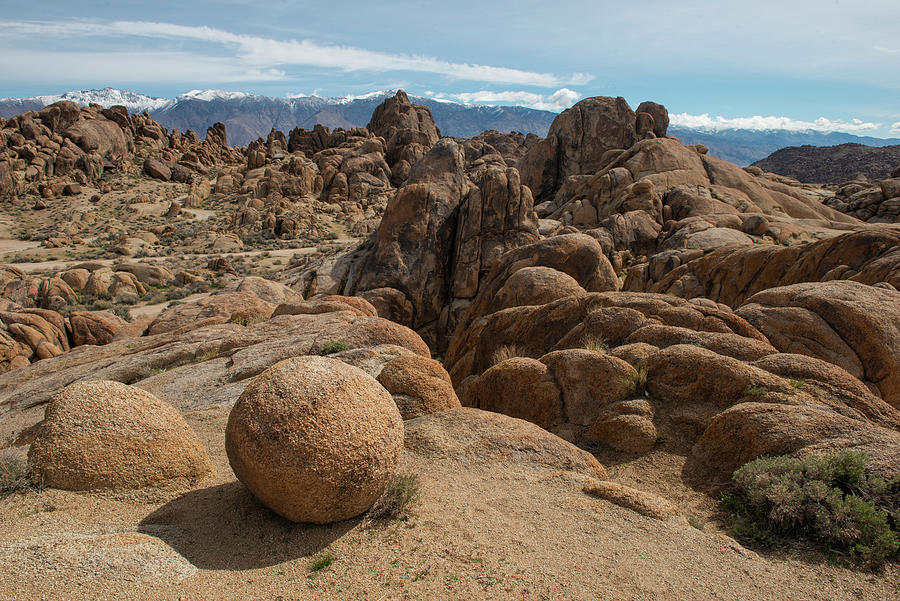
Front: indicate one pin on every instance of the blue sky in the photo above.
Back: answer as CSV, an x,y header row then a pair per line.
x,y
829,64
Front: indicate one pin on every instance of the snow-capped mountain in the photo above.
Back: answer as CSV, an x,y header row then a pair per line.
x,y
106,97
248,116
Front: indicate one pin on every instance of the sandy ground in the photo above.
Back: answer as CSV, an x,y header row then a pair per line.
x,y
496,531
198,258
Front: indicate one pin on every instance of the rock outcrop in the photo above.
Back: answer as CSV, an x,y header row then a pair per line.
x,y
732,274
609,368
873,201
577,143
408,131
846,323
832,164
481,437
442,233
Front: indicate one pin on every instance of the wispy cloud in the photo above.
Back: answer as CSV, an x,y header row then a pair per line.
x,y
120,67
557,101
895,128
757,122
264,55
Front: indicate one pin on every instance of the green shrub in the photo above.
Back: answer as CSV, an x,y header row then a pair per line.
x,y
322,560
333,346
122,311
756,391
833,502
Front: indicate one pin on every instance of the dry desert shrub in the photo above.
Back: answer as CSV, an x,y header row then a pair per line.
x,y
14,475
397,500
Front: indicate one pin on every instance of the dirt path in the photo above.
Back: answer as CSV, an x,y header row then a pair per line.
x,y
46,266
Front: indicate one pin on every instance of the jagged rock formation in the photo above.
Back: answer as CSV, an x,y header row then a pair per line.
x,y
875,201
576,144
442,232
63,145
408,131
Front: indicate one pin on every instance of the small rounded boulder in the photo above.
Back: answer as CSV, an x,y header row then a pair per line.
x,y
106,435
316,440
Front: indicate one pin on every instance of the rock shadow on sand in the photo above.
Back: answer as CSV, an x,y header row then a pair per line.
x,y
225,527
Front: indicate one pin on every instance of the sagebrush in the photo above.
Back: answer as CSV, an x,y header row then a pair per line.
x,y
834,502
334,346
14,475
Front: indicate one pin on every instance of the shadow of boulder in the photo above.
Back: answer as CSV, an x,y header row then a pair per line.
x,y
225,527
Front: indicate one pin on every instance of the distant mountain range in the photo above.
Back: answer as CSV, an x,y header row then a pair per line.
x,y
745,146
248,116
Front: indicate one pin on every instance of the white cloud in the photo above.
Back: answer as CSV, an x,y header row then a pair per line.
x,y
78,68
758,122
263,54
895,128
559,100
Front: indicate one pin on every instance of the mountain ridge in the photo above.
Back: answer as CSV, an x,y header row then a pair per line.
x,y
248,116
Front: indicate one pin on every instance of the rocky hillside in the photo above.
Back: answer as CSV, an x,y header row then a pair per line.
x,y
382,361
832,164
744,146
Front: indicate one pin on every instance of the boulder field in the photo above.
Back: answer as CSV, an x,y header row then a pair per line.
x,y
572,342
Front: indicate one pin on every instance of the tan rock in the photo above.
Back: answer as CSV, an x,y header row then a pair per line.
x,y
519,387
476,437
94,327
106,435
419,385
637,500
852,325
314,439
224,307
751,430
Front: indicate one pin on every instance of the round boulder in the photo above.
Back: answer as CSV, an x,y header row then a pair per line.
x,y
419,385
107,435
315,439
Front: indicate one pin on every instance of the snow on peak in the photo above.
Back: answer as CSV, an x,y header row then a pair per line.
x,y
106,97
207,95
368,96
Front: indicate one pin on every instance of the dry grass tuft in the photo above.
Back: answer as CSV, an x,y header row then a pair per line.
x,y
595,343
396,501
506,352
